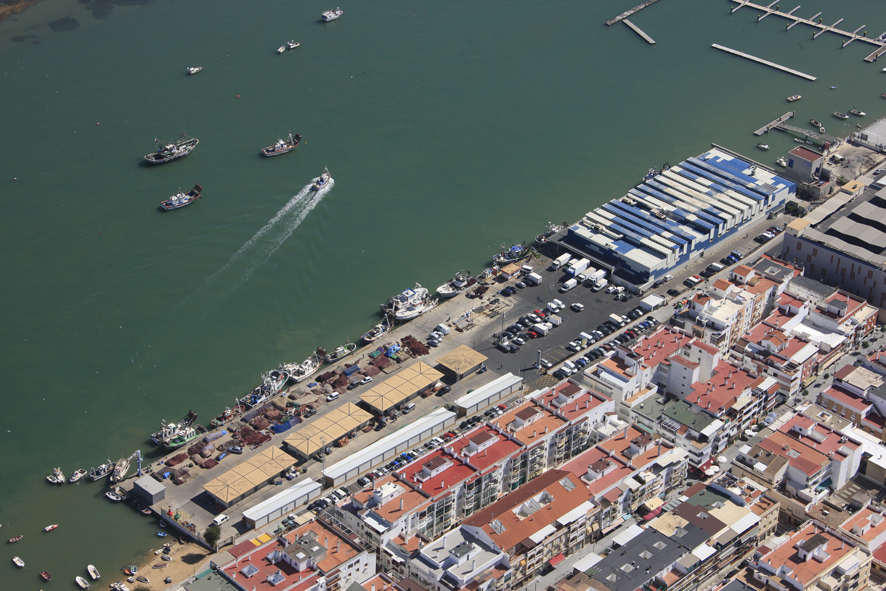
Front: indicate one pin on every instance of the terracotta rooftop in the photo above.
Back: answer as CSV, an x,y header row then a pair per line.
x,y
620,444
805,154
497,451
867,524
541,427
805,459
742,270
339,548
821,438
441,482
580,464
720,392
660,345
571,400
847,399
787,554
722,284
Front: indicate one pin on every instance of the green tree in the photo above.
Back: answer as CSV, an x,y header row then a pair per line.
x,y
865,344
212,535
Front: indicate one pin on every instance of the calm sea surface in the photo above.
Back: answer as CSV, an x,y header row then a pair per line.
x,y
449,127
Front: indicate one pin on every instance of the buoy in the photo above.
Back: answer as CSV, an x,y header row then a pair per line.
x,y
97,123
238,96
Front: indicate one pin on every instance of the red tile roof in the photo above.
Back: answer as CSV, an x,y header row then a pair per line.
x,y
805,459
501,449
579,467
847,399
441,482
660,345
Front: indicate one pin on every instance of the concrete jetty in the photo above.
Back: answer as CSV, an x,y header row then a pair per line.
x,y
822,28
640,32
774,123
628,13
762,61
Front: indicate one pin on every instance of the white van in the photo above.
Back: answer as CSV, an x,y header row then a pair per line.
x,y
443,329
220,518
569,365
569,285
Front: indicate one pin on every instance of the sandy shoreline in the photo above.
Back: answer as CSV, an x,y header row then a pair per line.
x,y
7,10
187,560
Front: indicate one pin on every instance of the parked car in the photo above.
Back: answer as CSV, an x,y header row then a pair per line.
x,y
516,341
577,307
236,450
561,374
309,412
332,397
520,284
366,380
545,364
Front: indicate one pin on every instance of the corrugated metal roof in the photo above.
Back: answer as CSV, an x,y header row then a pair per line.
x,y
299,489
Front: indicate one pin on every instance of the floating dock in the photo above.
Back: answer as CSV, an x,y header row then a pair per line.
x,y
640,32
880,41
762,61
774,123
876,54
628,13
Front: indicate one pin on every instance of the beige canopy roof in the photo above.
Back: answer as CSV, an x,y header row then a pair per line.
x,y
461,359
401,386
249,475
326,429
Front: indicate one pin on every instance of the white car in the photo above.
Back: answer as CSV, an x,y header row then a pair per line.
x,y
577,307
366,380
668,277
546,364
519,341
610,289
331,397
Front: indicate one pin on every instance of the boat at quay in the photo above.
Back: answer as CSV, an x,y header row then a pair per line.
x,y
172,429
167,152
306,368
405,299
341,352
456,285
510,255
415,310
184,437
378,331
120,469
102,471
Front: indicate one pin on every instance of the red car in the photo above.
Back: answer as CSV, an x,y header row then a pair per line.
x,y
540,314
532,334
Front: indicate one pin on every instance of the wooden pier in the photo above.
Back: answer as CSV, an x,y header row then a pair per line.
x,y
822,28
762,61
628,13
639,31
774,123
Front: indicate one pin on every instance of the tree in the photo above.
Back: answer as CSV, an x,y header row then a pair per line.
x,y
212,535
142,588
865,344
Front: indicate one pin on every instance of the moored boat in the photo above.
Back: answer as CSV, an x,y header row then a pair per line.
x,y
415,310
50,527
227,415
181,199
307,368
117,494
378,331
120,470
840,115
282,146
194,70
331,15
81,582
161,534
102,471
857,113
182,438
510,255
763,147
93,572
456,285
171,429
406,298
794,97
15,539
281,49
45,575
293,44
56,477
78,474
322,181
550,230
341,352
18,561
167,152
781,161
815,123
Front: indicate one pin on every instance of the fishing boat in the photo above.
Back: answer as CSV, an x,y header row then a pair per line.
x,y
93,572
282,146
167,152
15,539
781,161
45,575
341,352
78,474
180,199
293,44
194,70
321,181
281,49
456,285
102,471
182,438
840,115
415,310
510,255
308,367
799,141
794,97
488,273
120,470
171,429
815,123
377,331
18,561
331,15
81,582
763,147
406,298
550,230
227,415
857,113
50,527
56,477
275,379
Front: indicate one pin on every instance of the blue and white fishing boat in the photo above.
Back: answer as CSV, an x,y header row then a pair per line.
x,y
510,255
322,181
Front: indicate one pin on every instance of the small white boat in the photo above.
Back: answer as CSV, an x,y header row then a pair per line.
x,y
194,70
857,113
331,15
781,161
56,477
281,49
78,474
81,582
18,561
763,147
793,98
293,44
93,572
321,182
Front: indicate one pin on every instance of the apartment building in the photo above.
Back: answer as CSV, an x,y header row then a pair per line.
x,y
464,558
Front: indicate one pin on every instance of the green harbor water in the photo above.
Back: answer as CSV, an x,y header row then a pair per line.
x,y
449,128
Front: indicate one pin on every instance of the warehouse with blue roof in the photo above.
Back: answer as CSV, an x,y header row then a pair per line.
x,y
674,215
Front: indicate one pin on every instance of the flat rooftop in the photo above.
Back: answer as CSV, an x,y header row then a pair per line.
x,y
436,472
483,447
400,386
325,430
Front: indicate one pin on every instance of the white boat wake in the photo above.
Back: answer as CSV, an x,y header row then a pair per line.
x,y
256,251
